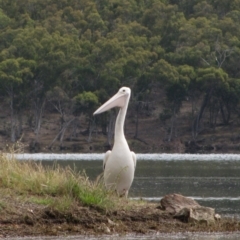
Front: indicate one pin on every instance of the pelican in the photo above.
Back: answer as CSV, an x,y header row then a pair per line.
x,y
120,163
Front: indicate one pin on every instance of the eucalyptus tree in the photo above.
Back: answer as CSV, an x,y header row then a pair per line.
x,y
164,20
4,20
206,44
62,50
119,58
224,7
52,54
61,103
14,73
211,80
86,103
177,91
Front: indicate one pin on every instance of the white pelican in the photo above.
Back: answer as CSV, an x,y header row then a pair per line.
x,y
119,164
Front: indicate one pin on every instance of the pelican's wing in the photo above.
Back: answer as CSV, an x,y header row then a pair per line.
x,y
107,154
134,159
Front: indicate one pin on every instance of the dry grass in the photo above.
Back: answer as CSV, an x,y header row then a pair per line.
x,y
53,185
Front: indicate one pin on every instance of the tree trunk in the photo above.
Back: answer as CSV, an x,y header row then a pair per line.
x,y
61,133
225,116
91,129
74,128
136,120
13,120
173,120
19,128
222,113
196,121
38,112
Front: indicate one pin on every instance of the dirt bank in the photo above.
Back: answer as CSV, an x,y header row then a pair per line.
x,y
23,218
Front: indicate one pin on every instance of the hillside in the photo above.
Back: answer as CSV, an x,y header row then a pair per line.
x,y
60,60
152,136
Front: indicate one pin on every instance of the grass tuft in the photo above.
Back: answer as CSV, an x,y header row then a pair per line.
x,y
2,205
52,186
46,201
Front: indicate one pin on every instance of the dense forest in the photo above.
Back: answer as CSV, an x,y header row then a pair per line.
x,y
64,58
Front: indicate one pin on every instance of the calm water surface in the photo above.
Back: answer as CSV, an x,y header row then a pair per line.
x,y
211,179
186,236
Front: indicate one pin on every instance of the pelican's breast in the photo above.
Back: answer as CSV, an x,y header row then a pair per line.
x,y
119,170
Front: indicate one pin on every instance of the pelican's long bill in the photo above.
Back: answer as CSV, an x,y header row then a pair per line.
x,y
118,100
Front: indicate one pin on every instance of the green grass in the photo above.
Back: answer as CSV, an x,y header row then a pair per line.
x,y
2,205
52,186
46,201
61,203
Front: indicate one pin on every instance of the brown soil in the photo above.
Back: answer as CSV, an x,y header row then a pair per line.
x,y
23,218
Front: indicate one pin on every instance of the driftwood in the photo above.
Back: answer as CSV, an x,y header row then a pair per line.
x,y
187,209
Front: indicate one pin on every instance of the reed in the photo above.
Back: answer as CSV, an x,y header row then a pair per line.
x,y
52,185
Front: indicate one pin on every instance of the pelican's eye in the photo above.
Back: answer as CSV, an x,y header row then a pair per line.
x,y
123,90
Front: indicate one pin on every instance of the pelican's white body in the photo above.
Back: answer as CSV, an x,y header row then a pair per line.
x,y
119,168
119,164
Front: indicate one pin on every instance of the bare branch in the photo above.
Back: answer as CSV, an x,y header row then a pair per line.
x,y
206,61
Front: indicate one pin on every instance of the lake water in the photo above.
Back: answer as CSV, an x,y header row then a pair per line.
x,y
211,179
182,236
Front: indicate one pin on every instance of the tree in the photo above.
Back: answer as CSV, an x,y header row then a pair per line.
x,y
4,20
86,102
52,54
176,93
211,79
13,73
64,106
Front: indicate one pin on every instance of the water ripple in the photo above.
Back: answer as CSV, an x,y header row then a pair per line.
x,y
157,199
140,156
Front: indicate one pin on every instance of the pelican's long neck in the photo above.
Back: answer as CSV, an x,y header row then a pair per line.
x,y
119,125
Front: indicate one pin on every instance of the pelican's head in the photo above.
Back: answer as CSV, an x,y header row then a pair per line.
x,y
120,99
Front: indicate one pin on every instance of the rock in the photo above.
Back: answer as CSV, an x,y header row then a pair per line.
x,y
29,220
192,146
202,214
188,210
104,228
173,203
217,217
110,222
196,214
